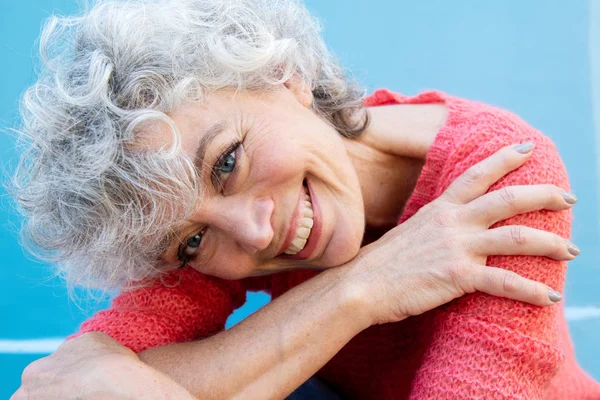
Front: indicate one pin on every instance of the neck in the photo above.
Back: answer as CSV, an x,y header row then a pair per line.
x,y
388,158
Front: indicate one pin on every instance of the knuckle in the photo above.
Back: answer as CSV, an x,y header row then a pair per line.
x,y
506,154
539,292
460,274
112,363
510,282
463,213
473,174
517,236
444,218
558,244
437,205
459,244
550,193
20,394
91,337
508,197
31,371
556,195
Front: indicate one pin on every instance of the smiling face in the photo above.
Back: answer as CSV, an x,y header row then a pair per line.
x,y
280,190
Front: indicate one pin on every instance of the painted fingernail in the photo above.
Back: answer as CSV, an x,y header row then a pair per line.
x,y
524,148
574,250
570,197
554,296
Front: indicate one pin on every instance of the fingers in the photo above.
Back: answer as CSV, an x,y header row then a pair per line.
x,y
504,283
477,180
521,240
512,200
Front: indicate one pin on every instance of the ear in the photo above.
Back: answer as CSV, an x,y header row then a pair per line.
x,y
300,90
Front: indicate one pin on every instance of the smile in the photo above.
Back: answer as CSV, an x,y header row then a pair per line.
x,y
305,228
305,223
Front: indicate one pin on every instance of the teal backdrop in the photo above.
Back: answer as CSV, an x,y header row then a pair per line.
x,y
539,59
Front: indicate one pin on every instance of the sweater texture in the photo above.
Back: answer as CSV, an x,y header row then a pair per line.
x,y
475,347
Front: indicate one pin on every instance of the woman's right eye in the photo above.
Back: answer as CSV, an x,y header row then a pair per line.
x,y
192,245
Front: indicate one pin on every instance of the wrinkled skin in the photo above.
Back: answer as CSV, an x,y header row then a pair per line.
x,y
443,249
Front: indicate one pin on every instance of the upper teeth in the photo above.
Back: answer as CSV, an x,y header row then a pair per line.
x,y
305,224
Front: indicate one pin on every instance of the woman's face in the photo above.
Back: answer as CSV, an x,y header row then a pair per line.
x,y
276,178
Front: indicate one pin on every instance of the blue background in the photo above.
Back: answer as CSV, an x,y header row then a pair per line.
x,y
540,59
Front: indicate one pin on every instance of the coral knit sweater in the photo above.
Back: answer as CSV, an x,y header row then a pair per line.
x,y
476,347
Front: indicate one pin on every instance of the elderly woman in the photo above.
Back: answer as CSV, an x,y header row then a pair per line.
x,y
187,152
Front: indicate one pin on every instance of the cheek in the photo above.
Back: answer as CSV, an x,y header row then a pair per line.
x,y
229,265
276,161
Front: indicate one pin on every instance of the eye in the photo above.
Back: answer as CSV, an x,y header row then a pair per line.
x,y
193,244
188,249
225,164
228,164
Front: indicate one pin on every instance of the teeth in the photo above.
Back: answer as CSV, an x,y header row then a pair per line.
x,y
302,232
305,225
299,243
306,222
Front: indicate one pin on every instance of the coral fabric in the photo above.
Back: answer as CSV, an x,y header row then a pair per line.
x,y
476,347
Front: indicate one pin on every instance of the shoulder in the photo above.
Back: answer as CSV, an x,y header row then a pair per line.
x,y
471,132
475,124
474,131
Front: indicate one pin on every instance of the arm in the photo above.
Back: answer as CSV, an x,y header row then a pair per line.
x,y
283,344
272,352
489,347
298,333
182,306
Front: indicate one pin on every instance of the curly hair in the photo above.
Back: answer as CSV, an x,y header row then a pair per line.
x,y
95,204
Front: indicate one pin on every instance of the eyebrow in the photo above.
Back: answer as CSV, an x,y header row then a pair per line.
x,y
206,139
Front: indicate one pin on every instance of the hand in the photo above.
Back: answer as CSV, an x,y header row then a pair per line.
x,y
94,366
440,253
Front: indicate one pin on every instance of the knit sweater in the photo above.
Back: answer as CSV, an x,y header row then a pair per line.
x,y
475,347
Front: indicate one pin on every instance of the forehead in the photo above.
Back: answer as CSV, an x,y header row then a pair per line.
x,y
194,118
191,118
222,104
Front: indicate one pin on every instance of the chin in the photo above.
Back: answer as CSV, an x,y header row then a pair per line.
x,y
340,251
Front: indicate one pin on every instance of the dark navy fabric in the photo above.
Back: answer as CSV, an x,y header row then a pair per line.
x,y
313,389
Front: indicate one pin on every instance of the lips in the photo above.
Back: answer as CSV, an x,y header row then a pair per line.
x,y
313,237
304,224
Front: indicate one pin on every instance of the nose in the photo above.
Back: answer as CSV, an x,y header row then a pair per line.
x,y
247,221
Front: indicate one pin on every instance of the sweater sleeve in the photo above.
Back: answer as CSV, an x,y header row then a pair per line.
x,y
485,347
182,306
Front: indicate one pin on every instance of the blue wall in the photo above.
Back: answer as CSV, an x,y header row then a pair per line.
x,y
530,57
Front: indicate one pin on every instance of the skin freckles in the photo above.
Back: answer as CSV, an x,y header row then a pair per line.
x,y
283,143
244,222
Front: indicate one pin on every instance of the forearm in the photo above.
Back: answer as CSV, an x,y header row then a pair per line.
x,y
273,351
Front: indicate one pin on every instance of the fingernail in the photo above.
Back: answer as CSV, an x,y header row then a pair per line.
x,y
554,296
574,250
570,197
524,148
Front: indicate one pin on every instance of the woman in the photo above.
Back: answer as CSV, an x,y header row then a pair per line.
x,y
221,137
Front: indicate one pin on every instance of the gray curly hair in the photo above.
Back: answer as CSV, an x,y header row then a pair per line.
x,y
95,204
